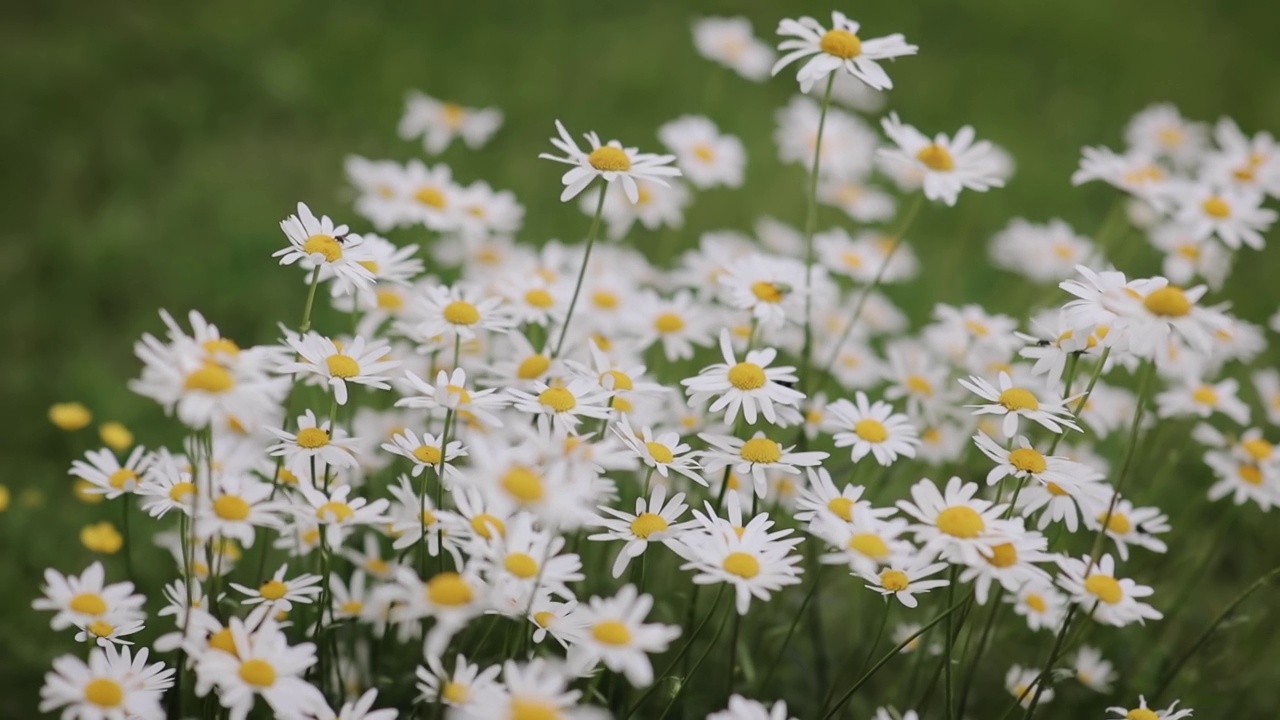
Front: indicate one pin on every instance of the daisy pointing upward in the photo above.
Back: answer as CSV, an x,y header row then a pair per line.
x,y
839,48
610,161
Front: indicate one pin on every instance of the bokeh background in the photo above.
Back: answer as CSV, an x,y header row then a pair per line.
x,y
148,149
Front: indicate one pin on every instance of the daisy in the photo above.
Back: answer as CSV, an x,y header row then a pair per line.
x,y
955,522
1024,461
530,557
755,456
378,182
112,684
484,212
452,598
839,48
562,407
168,484
655,520
424,452
1018,402
321,243
1193,397
108,476
1158,310
847,151
450,392
411,516
750,386
860,201
823,498
865,544
1011,563
445,314
235,508
538,688
339,513
1134,172
1092,670
104,633
706,157
80,600
903,578
617,635
348,601
664,452
362,709
1266,383
431,196
313,442
391,265
676,322
608,161
1109,600
1126,524
1243,480
1234,216
741,708
260,662
730,42
1041,604
1021,683
656,206
755,562
949,165
280,594
1142,712
1247,162
460,688
872,429
770,287
1042,253
439,123
354,362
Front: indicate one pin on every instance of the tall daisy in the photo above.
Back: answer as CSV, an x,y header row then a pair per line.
x,y
948,165
609,161
839,48
872,429
750,386
321,242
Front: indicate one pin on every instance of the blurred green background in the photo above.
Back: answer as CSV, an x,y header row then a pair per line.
x,y
150,148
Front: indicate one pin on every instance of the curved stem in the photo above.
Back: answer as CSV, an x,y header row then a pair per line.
x,y
694,671
582,272
810,226
311,300
688,643
795,622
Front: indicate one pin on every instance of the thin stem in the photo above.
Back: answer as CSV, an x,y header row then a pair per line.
x,y
977,657
810,226
733,656
1084,397
311,300
582,272
684,649
1130,450
795,622
948,680
128,543
694,671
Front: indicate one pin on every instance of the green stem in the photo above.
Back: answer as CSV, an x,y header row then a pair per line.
x,y
811,226
684,649
977,657
795,622
128,543
582,272
948,680
311,300
1130,450
694,671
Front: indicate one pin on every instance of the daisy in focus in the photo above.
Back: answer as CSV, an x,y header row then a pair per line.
x,y
608,161
839,48
945,165
750,386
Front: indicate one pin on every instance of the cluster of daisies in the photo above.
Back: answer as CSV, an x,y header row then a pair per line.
x,y
506,479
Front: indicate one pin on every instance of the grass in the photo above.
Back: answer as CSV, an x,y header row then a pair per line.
x,y
150,148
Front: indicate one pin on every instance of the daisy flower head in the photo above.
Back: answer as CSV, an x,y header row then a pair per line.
x,y
1135,172
1042,253
706,157
439,123
754,456
741,708
362,709
360,361
1142,712
236,507
750,386
1191,397
1157,310
954,521
562,407
730,42
1162,131
450,392
1247,162
1129,525
1243,479
847,152
1108,599
442,314
657,205
904,578
1234,216
425,452
770,287
678,323
259,662
538,688
314,440
664,452
1092,670
755,562
823,498
839,48
857,199
108,476
460,688
610,162
1023,460
112,684
864,545
80,600
1042,605
872,429
319,242
656,519
617,635
1011,565
1021,683
947,165
104,632
1014,402
277,593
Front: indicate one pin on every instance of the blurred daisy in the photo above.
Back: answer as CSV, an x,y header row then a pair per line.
x,y
104,632
949,165
1195,398
860,201
608,161
445,313
1110,600
750,386
1142,712
362,709
337,512
741,708
1018,402
706,157
1021,684
729,41
360,362
754,456
864,544
106,474
79,600
450,392
438,123
1129,525
425,452
260,663
771,287
617,635
1092,670
663,452
654,520
1161,130
873,429
277,593
538,688
460,688
1236,217
904,578
1041,604
112,684
839,48
320,242
1011,564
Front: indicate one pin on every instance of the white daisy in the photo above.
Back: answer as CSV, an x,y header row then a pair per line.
x,y
439,123
617,635
320,242
1018,402
277,593
663,452
706,157
839,48
1108,599
730,41
359,362
949,165
955,522
460,688
112,684
756,562
1092,670
873,429
108,476
562,407
755,456
750,386
656,519
1142,712
608,161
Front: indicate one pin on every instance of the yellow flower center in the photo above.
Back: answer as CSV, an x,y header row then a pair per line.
x,y
558,399
869,544
334,511
620,380
352,607
741,564
977,328
1056,489
1259,448
521,565
747,376
312,438
1003,555
668,322
121,477
1141,714
1168,301
231,507
1028,461
70,416
1117,523
390,300
1105,588
647,524
894,580
611,632
918,385
449,589
704,152
461,312
532,367
210,378
427,455
455,692
100,628
273,590
936,158
606,299
486,526
88,603
761,451
1205,395
1016,398
1251,474
430,196
523,483
842,507
453,114
961,521
539,298
873,431
326,245
608,158
533,709
222,640
1035,602
1216,207
767,292
342,366
258,673
841,43
660,453
104,692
